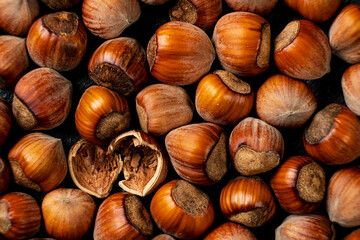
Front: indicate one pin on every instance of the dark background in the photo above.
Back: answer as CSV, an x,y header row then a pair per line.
x,y
327,90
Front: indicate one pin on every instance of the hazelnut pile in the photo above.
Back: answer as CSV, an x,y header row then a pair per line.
x,y
180,119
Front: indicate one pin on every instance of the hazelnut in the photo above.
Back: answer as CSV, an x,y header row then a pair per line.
x,y
179,53
285,102
20,216
333,136
230,231
42,99
223,98
68,213
182,210
13,60
255,146
310,226
351,88
162,107
248,201
60,4
108,19
57,40
302,51
354,235
343,202
242,42
163,237
16,16
202,13
343,34
101,115
4,176
38,162
317,10
154,2
122,216
261,7
120,65
5,121
299,185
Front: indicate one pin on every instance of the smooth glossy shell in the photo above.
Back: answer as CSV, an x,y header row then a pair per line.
x,y
179,53
38,162
109,18
343,202
341,143
350,83
68,213
230,231
98,103
242,42
5,121
120,65
285,102
344,34
302,51
173,219
57,40
20,216
13,60
355,235
305,227
317,10
223,98
247,200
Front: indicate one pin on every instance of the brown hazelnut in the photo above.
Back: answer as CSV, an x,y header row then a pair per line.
x,y
333,136
57,40
20,216
317,10
202,13
108,19
223,98
255,146
354,235
243,42
16,16
182,210
13,60
198,152
343,34
343,202
162,107
261,7
154,2
299,185
285,102
230,231
297,227
42,99
120,65
248,201
5,121
179,53
38,162
68,213
351,88
60,4
163,237
302,51
122,216
101,115
4,176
